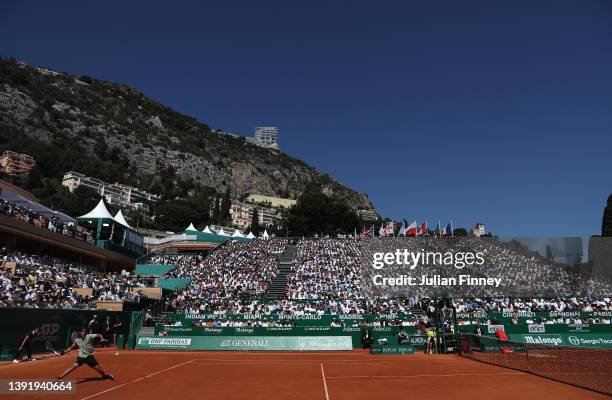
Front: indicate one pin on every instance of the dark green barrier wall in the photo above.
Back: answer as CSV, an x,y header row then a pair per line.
x,y
153,269
173,283
55,325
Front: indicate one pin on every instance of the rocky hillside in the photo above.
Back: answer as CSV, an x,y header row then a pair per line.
x,y
116,133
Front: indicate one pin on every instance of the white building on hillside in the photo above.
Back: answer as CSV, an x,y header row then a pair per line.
x,y
116,193
242,214
268,135
478,229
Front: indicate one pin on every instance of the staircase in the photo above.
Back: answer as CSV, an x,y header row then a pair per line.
x,y
145,331
278,286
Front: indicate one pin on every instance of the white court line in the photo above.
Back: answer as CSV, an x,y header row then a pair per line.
x,y
420,375
324,382
259,362
136,380
542,355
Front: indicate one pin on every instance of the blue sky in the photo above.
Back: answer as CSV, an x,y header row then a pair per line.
x,y
499,112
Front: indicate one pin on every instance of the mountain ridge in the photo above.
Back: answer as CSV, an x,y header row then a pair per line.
x,y
114,132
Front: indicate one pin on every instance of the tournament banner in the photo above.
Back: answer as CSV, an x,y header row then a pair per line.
x,y
392,349
522,317
541,328
297,320
382,331
578,339
251,343
253,331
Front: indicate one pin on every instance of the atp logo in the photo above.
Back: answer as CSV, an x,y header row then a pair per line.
x,y
50,331
574,340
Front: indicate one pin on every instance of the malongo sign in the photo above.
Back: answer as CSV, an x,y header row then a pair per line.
x,y
554,340
578,339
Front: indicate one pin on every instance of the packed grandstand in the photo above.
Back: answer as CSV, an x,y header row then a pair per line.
x,y
40,281
54,221
324,278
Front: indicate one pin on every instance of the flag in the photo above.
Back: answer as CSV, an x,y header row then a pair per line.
x,y
368,233
447,230
411,230
402,230
437,230
381,231
422,229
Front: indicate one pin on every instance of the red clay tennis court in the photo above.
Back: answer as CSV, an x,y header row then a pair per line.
x,y
352,375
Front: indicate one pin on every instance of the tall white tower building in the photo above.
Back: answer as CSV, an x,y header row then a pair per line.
x,y
268,135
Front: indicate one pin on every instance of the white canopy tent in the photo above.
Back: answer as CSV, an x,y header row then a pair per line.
x,y
237,234
99,212
222,233
207,230
250,236
191,228
265,235
121,220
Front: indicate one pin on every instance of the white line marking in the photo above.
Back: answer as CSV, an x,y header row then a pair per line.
x,y
420,375
107,390
136,380
259,362
168,369
324,382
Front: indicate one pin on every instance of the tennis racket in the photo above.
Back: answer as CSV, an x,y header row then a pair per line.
x,y
48,346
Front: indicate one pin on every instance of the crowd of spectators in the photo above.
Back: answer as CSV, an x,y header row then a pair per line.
x,y
36,281
326,277
522,272
54,224
235,271
326,269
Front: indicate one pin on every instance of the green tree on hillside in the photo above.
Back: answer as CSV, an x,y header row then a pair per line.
x,y
255,227
317,213
226,204
460,232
